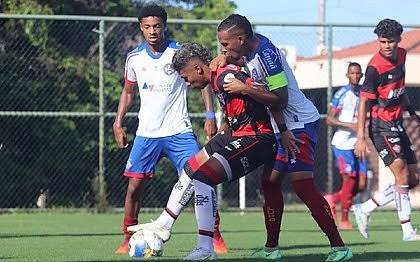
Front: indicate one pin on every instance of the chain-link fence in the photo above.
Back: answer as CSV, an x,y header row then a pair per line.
x,y
60,80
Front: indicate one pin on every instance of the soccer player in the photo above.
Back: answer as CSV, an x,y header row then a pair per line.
x,y
248,142
343,116
296,133
384,87
164,126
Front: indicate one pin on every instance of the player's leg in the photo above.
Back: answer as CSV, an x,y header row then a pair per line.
x,y
140,165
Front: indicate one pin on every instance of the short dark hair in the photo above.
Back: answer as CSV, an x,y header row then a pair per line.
x,y
238,21
153,10
388,28
354,64
189,51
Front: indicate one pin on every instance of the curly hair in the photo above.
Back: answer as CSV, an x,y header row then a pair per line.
x,y
388,28
238,21
189,51
153,10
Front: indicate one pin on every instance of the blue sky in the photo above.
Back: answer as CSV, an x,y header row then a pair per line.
x,y
337,11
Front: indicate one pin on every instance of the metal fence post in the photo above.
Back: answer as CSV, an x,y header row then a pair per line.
x,y
330,165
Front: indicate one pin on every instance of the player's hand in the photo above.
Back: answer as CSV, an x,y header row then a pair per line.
x,y
210,128
219,61
360,148
120,136
289,143
235,86
415,119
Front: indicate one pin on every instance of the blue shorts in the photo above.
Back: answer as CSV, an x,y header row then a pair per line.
x,y
146,152
305,159
348,163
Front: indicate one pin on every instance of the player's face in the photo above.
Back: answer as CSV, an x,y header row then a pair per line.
x,y
354,74
153,29
230,45
193,75
388,46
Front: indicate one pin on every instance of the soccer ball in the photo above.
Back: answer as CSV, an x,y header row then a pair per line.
x,y
145,243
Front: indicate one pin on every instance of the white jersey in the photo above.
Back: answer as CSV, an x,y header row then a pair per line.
x,y
163,93
345,101
268,66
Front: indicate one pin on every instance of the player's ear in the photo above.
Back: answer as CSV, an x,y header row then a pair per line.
x,y
198,69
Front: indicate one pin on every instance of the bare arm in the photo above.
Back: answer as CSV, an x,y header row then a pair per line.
x,y
210,126
360,148
126,100
334,122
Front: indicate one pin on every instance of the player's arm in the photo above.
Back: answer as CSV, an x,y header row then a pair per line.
x,y
408,107
333,121
126,100
210,127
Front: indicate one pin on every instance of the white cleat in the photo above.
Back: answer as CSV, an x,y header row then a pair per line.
x,y
200,254
163,233
413,236
361,220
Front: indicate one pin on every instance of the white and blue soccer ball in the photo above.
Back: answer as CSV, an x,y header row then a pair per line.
x,y
145,243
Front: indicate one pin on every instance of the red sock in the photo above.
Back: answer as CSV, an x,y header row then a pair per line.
x,y
128,221
273,211
347,189
336,197
320,210
216,234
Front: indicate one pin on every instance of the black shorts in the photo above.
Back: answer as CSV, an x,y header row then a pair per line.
x,y
392,145
241,155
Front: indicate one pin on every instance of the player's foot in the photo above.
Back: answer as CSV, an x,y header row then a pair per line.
x,y
272,253
123,249
339,254
361,220
219,245
163,233
200,254
345,225
331,203
413,236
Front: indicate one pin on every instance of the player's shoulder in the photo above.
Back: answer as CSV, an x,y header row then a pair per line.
x,y
137,50
342,91
174,44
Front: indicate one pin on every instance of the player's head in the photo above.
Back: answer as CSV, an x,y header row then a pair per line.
x,y
389,35
191,62
354,73
233,33
152,19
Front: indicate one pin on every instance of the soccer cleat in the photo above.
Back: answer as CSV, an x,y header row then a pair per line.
x,y
123,249
361,220
339,254
272,253
331,203
345,225
219,246
200,254
163,233
413,236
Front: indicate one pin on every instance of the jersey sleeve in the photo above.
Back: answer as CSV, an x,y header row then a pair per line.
x,y
129,73
369,88
270,59
337,99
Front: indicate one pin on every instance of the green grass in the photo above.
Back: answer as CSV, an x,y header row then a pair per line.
x,y
94,237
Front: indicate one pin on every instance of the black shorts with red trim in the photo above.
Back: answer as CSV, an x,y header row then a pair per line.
x,y
392,145
241,155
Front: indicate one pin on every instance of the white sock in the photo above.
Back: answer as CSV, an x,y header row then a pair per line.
x,y
205,212
380,199
181,194
402,201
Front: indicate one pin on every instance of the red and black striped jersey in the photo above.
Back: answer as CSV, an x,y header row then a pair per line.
x,y
244,115
385,84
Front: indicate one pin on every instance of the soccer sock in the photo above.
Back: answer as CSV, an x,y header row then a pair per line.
x,y
205,212
273,211
128,221
336,197
346,197
216,234
320,210
380,199
402,201
180,196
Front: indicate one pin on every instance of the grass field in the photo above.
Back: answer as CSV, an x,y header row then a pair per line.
x,y
94,237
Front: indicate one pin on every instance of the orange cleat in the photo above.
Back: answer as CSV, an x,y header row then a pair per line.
x,y
345,225
219,245
331,203
123,249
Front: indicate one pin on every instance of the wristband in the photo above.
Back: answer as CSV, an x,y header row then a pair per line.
x,y
282,128
210,115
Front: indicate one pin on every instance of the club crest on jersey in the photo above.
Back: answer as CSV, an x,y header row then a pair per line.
x,y
167,69
396,148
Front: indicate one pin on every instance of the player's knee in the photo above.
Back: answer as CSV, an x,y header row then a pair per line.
x,y
203,177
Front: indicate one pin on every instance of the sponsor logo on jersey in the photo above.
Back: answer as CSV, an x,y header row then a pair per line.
x,y
383,153
228,77
270,57
394,140
396,93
